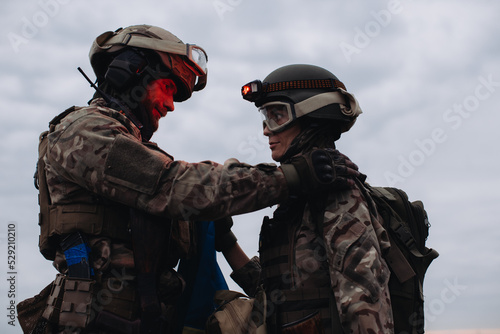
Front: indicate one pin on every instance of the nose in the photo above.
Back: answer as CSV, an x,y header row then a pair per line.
x,y
266,130
169,104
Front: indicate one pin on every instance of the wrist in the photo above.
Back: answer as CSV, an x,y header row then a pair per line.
x,y
225,241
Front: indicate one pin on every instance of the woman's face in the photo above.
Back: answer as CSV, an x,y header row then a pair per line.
x,y
280,141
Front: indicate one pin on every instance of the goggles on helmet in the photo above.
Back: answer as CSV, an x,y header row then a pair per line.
x,y
195,57
277,115
198,59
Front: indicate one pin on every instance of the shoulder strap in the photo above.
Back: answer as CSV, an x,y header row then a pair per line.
x,y
318,214
56,120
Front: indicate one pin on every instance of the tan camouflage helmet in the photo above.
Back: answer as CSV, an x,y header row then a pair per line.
x,y
186,62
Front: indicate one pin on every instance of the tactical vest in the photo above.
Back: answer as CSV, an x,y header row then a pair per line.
x,y
90,214
290,303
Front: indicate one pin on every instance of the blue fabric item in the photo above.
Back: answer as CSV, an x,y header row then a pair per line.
x,y
203,277
75,254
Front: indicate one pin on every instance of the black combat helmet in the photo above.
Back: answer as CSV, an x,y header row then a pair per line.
x,y
295,91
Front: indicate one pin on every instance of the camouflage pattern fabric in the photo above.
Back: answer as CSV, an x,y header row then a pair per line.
x,y
96,151
96,156
346,256
359,275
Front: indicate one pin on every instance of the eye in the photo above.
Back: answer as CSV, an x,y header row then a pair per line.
x,y
170,86
277,114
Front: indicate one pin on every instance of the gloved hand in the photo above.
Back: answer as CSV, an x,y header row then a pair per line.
x,y
224,237
346,170
319,170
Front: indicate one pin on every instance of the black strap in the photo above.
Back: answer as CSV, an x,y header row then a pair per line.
x,y
56,120
150,237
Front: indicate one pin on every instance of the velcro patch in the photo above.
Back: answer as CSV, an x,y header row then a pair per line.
x,y
133,165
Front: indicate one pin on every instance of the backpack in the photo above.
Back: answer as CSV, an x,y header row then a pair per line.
x,y
408,258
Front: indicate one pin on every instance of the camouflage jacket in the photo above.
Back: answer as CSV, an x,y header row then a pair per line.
x,y
95,154
97,151
345,258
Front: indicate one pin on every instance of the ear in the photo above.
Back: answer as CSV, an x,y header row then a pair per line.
x,y
125,69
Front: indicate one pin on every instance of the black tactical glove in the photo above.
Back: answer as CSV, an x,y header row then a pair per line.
x,y
319,170
346,170
224,237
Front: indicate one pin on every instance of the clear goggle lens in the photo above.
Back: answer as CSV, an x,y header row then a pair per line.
x,y
197,59
277,115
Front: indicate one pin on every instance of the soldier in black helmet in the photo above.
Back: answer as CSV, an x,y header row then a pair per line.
x,y
320,261
116,210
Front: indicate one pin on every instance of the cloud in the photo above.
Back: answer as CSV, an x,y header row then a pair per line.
x,y
409,72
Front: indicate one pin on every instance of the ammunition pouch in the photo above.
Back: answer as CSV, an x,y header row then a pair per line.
x,y
54,301
111,304
70,302
77,302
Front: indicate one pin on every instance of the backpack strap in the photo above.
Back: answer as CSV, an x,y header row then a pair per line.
x,y
318,207
394,256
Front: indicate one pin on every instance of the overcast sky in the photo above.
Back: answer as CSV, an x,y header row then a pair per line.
x,y
426,74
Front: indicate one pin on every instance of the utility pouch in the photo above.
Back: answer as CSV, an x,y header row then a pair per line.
x,y
121,299
77,301
116,324
53,308
308,325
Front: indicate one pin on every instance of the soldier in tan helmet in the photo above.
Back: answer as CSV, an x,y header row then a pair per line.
x,y
115,209
320,261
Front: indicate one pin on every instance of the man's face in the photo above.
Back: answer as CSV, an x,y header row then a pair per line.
x,y
159,99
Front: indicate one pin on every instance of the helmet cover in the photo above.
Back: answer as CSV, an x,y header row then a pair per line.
x,y
171,52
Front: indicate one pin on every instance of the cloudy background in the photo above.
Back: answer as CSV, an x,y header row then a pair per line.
x,y
426,74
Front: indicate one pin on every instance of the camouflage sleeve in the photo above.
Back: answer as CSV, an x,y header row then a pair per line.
x,y
248,276
102,155
358,272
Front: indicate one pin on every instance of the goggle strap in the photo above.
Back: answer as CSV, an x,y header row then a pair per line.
x,y
201,82
321,100
149,43
303,84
